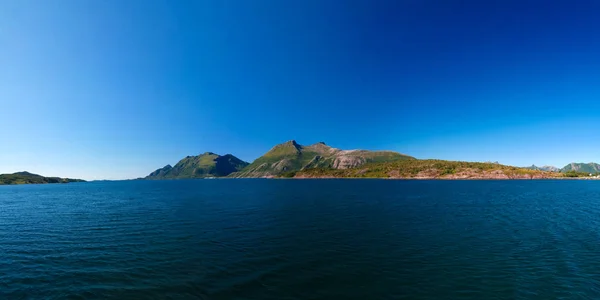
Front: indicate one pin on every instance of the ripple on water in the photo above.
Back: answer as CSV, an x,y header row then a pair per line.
x,y
310,239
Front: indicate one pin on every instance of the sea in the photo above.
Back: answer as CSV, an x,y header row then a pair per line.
x,y
301,239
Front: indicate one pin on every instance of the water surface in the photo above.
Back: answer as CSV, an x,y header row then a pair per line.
x,y
301,239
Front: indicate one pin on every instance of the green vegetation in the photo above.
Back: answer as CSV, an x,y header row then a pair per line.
x,y
286,158
29,178
429,169
575,174
291,159
205,165
285,149
288,174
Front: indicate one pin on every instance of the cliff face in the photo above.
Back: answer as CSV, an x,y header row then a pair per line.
x,y
292,157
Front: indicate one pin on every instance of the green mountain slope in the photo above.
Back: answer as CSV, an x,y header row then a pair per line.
x,y
160,173
29,178
430,169
205,165
291,157
582,167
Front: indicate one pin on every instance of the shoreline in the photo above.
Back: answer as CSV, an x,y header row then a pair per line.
x,y
341,178
440,178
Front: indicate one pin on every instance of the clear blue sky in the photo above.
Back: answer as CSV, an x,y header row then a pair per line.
x,y
115,89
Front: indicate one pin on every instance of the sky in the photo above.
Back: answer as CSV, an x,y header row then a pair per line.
x,y
116,89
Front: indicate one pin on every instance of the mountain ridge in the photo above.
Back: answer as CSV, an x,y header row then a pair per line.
x,y
591,167
292,159
544,168
291,156
207,164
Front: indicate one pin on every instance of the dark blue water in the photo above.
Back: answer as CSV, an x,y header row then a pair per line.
x,y
301,239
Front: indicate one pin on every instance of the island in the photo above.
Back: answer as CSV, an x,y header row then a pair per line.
x,y
30,178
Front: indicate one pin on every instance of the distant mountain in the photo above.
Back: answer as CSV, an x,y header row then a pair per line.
x,y
204,165
30,178
582,167
291,157
543,168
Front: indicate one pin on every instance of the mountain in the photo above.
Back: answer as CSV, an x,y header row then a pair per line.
x,y
204,165
30,178
543,168
582,167
162,172
292,157
430,169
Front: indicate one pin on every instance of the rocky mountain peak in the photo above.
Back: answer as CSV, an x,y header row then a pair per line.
x,y
293,143
291,157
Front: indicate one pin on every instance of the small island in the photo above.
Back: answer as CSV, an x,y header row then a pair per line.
x,y
30,178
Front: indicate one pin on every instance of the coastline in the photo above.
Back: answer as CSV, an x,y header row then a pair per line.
x,y
435,178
